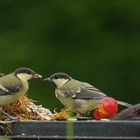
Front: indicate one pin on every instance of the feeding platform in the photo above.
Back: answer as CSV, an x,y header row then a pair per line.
x,y
89,129
37,122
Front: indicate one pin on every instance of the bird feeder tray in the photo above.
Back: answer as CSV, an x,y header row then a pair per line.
x,y
87,129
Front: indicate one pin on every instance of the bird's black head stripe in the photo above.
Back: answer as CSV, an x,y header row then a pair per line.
x,y
24,70
60,75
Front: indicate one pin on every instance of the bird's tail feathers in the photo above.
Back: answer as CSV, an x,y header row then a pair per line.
x,y
124,103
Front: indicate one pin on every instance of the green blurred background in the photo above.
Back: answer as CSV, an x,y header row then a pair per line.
x,y
97,41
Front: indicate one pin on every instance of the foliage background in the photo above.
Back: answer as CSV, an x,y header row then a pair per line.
x,y
96,41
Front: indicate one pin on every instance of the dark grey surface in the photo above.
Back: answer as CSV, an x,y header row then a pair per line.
x,y
131,113
82,129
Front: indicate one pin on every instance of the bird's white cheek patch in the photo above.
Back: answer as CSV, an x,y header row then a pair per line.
x,y
60,82
24,76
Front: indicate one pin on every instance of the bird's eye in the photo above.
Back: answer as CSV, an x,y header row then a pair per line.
x,y
28,72
56,77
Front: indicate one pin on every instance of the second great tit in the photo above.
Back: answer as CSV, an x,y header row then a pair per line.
x,y
80,97
15,85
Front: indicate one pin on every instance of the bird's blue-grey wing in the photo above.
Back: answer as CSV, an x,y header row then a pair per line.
x,y
89,93
84,91
9,89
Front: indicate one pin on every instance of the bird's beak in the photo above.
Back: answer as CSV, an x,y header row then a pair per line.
x,y
47,79
36,75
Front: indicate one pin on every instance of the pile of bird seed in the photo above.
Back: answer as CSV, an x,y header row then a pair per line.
x,y
25,109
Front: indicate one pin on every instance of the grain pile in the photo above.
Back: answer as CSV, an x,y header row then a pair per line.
x,y
25,109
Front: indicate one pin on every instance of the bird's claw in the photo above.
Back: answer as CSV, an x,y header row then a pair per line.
x,y
11,118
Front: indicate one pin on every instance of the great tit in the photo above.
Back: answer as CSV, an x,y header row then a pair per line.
x,y
80,97
15,85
